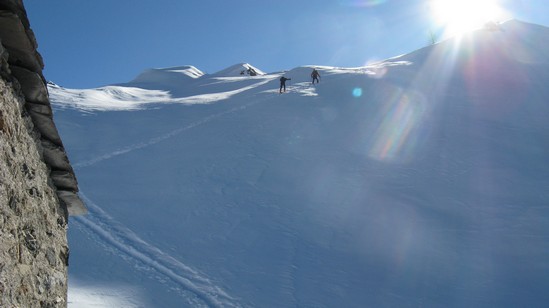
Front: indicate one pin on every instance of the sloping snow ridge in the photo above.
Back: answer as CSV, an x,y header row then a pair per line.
x,y
107,98
171,76
421,180
178,85
239,70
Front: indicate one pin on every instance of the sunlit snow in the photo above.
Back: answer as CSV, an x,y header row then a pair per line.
x,y
418,181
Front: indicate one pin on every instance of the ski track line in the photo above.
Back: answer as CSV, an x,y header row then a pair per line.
x,y
127,242
168,135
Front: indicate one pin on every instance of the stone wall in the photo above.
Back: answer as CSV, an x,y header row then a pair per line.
x,y
33,242
38,187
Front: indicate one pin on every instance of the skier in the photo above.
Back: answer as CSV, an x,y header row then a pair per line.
x,y
283,83
315,75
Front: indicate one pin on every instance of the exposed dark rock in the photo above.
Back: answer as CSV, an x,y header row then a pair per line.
x,y
64,180
34,192
33,86
22,51
54,155
29,173
64,255
62,221
30,241
13,203
2,124
51,257
41,116
75,206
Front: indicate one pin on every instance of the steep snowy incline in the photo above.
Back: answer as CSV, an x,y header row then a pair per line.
x,y
421,180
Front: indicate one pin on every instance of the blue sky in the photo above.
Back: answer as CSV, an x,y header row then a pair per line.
x,y
94,43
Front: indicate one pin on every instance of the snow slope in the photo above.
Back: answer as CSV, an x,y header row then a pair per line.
x,y
421,180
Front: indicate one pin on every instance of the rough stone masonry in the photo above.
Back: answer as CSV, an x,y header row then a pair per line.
x,y
38,187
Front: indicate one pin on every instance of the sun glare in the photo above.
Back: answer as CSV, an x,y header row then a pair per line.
x,y
459,16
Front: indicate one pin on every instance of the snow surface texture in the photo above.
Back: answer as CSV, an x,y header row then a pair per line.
x,y
422,180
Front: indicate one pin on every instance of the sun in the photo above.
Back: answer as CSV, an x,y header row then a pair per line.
x,y
460,16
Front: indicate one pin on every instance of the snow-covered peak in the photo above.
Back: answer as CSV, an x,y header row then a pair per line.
x,y
240,69
512,41
168,76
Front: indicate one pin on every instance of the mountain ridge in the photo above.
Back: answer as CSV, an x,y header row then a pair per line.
x,y
510,43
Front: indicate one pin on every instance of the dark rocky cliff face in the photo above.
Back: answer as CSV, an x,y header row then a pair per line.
x,y
38,188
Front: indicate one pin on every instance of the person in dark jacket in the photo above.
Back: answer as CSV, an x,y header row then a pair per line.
x,y
283,83
315,75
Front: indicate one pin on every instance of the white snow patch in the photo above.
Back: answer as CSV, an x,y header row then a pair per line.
x,y
85,296
133,98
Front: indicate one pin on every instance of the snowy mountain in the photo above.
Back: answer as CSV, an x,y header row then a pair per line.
x,y
421,180
171,76
239,70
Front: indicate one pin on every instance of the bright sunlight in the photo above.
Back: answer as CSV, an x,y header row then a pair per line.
x,y
460,16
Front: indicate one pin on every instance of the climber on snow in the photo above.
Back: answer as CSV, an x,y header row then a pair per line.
x,y
315,75
283,83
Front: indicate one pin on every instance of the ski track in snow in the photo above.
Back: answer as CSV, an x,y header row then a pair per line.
x,y
128,244
168,135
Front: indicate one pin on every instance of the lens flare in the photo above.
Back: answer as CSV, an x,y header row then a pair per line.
x,y
485,77
357,92
465,15
398,133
